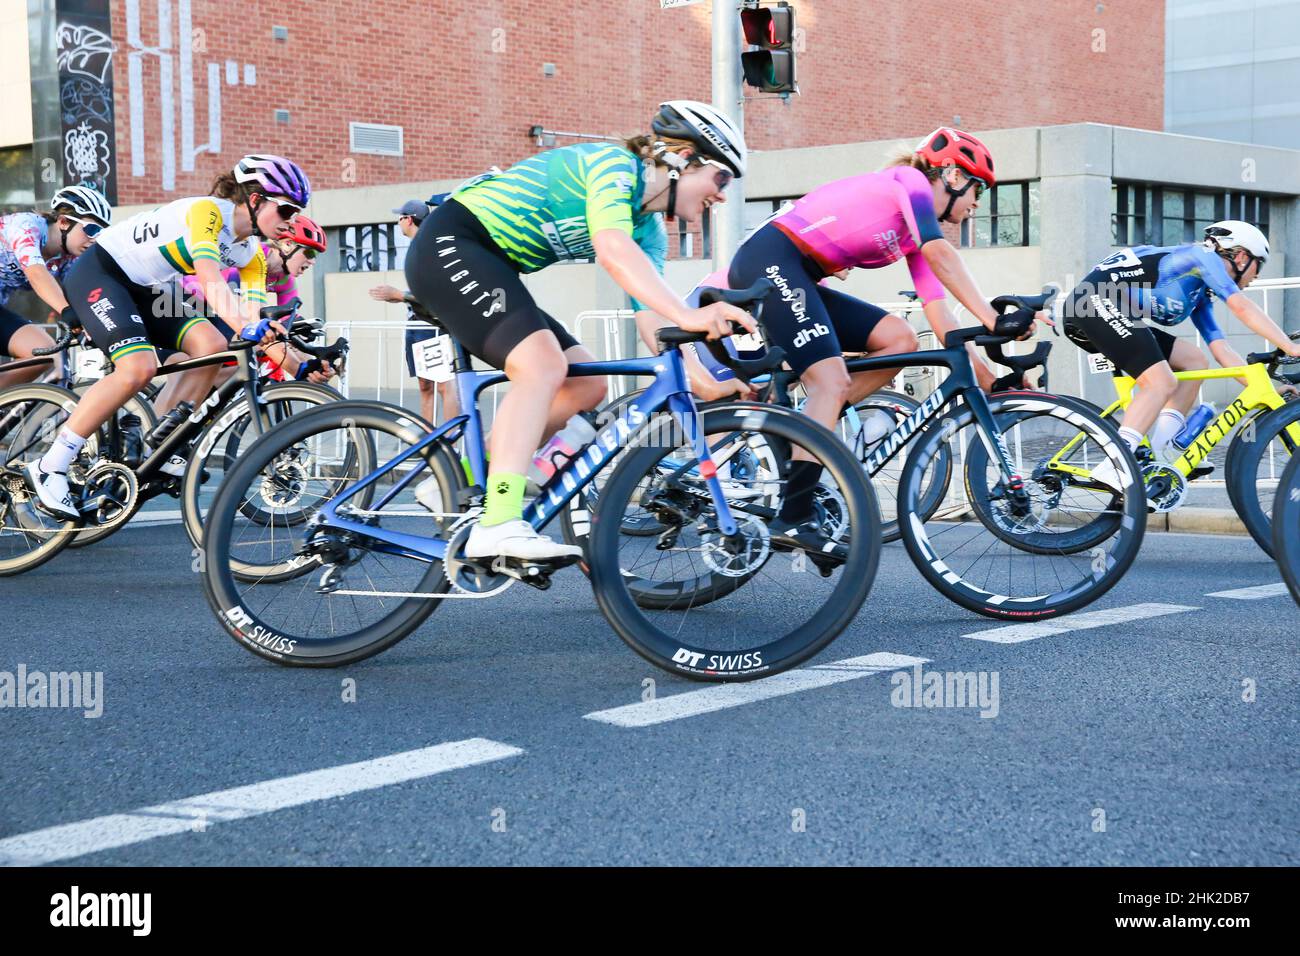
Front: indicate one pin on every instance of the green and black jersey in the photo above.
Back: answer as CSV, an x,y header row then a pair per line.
x,y
547,208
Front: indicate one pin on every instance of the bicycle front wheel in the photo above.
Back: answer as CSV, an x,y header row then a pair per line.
x,y
1286,526
994,552
1258,454
330,597
792,605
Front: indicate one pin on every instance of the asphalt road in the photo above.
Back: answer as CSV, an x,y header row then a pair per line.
x,y
1164,733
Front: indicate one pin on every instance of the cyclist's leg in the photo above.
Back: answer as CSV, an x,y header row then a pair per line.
x,y
1183,356
19,338
459,274
1131,346
197,338
863,327
576,395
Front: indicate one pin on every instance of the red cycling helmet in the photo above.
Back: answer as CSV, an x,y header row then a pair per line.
x,y
951,147
304,232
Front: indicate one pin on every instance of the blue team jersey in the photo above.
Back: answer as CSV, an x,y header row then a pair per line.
x,y
1167,284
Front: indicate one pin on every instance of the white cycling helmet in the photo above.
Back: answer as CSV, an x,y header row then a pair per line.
x,y
84,201
1235,234
712,132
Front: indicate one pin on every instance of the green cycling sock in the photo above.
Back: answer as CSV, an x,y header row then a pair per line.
x,y
505,499
469,472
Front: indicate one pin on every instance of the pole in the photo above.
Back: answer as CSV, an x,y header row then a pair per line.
x,y
729,217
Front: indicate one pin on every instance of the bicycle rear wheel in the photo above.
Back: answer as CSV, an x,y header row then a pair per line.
x,y
1003,563
790,609
329,597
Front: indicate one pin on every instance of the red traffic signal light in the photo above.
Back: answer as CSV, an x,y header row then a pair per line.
x,y
770,68
769,27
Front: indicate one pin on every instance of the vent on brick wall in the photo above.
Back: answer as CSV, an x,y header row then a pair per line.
x,y
375,138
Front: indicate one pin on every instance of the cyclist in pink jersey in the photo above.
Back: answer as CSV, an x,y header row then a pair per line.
x,y
865,221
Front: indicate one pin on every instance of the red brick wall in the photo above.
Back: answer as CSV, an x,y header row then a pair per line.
x,y
870,69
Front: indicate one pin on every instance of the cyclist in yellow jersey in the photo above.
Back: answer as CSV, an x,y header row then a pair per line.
x,y
123,292
592,200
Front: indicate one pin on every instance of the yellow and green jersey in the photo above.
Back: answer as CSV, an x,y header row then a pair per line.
x,y
547,208
156,247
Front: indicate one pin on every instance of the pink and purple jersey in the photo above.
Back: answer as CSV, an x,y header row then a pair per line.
x,y
285,289
866,222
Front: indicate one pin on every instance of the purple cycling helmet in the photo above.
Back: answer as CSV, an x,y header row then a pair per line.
x,y
277,177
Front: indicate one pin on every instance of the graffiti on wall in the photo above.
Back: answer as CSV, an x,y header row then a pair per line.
x,y
85,63
174,50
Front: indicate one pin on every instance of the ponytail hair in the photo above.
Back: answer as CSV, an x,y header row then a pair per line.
x,y
227,187
906,156
51,216
647,148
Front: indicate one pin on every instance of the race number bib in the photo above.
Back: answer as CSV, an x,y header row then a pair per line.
x,y
433,358
749,342
1098,364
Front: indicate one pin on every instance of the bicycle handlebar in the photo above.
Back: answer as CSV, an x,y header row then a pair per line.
x,y
751,300
1275,358
61,341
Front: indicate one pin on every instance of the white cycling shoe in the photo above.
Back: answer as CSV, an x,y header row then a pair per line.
x,y
52,491
516,539
427,494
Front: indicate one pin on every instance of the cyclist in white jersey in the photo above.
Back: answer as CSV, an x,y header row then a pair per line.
x,y
123,292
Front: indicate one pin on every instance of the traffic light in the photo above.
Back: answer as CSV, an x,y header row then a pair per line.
x,y
770,68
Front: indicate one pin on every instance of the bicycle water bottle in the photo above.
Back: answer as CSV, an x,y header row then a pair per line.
x,y
1201,416
132,439
564,445
169,423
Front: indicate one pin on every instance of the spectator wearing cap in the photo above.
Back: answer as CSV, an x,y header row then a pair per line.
x,y
409,216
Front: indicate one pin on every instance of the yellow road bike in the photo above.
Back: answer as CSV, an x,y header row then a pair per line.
x,y
1268,422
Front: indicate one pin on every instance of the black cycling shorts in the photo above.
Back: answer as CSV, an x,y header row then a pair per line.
x,y
10,322
120,316
1097,324
808,320
456,271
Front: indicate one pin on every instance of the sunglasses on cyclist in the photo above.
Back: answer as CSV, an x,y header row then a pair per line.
x,y
92,228
722,176
980,186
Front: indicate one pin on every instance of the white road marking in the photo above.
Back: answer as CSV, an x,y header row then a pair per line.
x,y
1251,594
1016,633
194,814
722,696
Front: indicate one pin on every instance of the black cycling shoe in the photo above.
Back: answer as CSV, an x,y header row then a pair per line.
x,y
807,536
1200,471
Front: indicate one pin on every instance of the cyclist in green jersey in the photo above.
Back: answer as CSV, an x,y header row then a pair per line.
x,y
590,200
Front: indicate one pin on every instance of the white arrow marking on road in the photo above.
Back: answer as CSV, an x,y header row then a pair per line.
x,y
1016,633
1251,594
722,696
194,814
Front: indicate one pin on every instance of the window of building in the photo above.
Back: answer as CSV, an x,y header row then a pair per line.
x,y
369,248
1155,215
1007,215
17,184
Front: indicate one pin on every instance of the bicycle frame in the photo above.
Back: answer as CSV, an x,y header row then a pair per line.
x,y
1259,393
669,390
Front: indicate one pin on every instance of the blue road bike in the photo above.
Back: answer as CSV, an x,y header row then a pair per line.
x,y
370,564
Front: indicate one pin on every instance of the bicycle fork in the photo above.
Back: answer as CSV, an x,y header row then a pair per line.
x,y
996,445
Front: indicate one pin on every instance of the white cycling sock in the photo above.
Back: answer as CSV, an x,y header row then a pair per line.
x,y
62,451
1131,438
1169,424
876,425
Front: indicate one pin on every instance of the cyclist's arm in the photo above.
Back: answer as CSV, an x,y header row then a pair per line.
x,y
703,384
949,269
1256,319
204,222
46,286
942,321
620,256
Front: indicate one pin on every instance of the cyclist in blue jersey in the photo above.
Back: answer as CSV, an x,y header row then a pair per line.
x,y
1122,308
